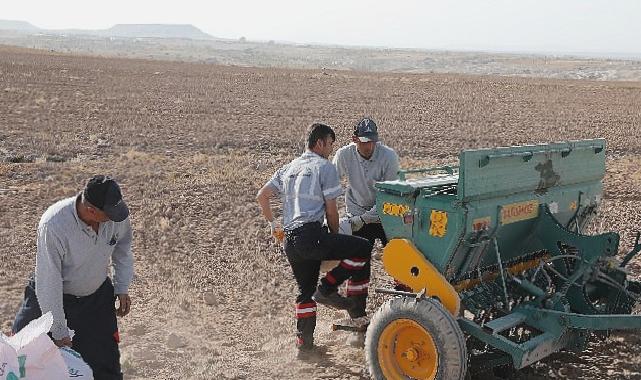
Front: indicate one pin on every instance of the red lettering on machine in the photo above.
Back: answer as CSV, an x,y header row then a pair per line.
x,y
516,212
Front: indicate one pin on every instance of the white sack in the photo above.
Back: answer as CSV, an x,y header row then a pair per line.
x,y
77,367
9,369
41,358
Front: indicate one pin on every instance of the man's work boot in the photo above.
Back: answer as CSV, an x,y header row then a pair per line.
x,y
359,306
305,347
304,343
332,299
305,337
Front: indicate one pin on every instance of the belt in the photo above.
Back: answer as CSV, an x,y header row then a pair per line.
x,y
304,227
88,296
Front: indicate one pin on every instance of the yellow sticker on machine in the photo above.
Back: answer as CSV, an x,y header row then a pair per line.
x,y
438,223
516,212
394,209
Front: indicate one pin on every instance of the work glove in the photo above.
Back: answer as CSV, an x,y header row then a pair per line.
x,y
277,231
344,226
357,223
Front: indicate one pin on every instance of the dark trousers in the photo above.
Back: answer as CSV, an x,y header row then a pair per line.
x,y
306,247
371,232
358,291
93,318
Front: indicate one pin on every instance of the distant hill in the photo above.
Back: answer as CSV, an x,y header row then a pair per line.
x,y
18,25
167,42
182,31
157,31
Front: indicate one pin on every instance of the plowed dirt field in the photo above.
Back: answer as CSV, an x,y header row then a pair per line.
x,y
192,143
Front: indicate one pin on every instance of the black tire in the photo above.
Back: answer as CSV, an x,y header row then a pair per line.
x,y
429,314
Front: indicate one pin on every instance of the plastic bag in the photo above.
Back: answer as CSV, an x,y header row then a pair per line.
x,y
9,368
77,367
38,357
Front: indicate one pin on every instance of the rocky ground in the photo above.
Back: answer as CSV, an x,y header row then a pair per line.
x,y
192,143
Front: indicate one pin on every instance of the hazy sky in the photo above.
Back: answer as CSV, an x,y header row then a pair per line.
x,y
593,26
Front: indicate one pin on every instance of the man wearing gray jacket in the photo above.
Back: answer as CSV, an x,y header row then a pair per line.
x,y
78,238
364,162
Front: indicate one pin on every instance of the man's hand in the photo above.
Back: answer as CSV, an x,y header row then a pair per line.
x,y
277,231
64,342
357,223
124,302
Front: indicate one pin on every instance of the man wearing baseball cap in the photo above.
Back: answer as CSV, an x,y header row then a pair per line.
x,y
309,187
78,239
364,162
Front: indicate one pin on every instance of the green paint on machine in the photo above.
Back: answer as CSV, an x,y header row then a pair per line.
x,y
530,282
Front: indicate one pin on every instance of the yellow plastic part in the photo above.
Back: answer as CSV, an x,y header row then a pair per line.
x,y
405,349
407,265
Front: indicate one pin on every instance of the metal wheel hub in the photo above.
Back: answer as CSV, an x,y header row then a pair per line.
x,y
411,354
406,349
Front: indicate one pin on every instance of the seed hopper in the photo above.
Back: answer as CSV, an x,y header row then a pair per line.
x,y
498,269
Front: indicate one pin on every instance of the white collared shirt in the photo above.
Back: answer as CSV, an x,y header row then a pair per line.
x,y
304,184
362,174
73,259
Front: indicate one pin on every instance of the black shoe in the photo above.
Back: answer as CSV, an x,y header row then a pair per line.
x,y
359,306
332,299
303,343
307,355
305,348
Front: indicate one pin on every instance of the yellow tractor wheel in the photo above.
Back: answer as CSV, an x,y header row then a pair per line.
x,y
409,339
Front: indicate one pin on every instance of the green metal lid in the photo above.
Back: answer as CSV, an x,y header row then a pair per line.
x,y
414,185
500,172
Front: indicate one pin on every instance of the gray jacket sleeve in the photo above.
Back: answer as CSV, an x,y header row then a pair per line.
x,y
122,259
390,173
50,253
338,163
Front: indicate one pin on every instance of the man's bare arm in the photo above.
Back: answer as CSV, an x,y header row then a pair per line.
x,y
331,212
263,196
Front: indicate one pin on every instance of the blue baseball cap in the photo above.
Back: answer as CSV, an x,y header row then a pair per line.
x,y
366,130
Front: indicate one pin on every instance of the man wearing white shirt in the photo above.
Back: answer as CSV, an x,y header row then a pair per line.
x,y
78,239
364,162
309,186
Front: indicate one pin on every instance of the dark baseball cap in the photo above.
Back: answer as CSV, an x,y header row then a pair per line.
x,y
104,193
366,130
